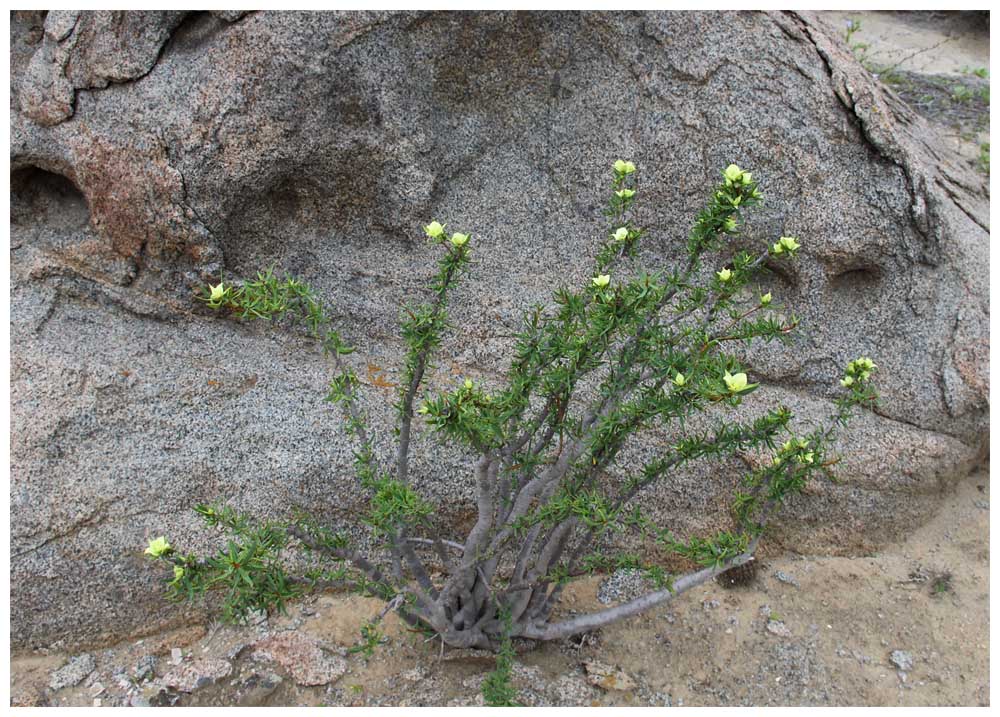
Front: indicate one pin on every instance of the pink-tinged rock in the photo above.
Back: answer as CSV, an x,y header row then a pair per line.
x,y
302,657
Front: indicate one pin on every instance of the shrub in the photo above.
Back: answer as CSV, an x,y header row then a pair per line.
x,y
628,351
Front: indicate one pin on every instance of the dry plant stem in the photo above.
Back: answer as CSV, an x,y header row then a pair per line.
x,y
593,621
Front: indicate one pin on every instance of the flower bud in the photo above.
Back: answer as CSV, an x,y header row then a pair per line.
x,y
623,167
724,275
625,193
217,292
765,299
621,234
434,230
459,240
679,380
733,174
789,243
601,281
157,547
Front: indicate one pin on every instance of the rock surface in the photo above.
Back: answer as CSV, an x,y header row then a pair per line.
x,y
73,672
302,656
151,151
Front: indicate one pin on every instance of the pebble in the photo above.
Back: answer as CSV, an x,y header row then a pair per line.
x,y
709,604
623,585
144,668
786,578
901,659
607,677
73,672
176,655
414,675
196,674
776,627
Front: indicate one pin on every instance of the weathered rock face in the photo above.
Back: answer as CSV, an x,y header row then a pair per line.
x,y
151,151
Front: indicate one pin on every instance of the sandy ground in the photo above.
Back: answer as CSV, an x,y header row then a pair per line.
x,y
930,43
823,633
931,59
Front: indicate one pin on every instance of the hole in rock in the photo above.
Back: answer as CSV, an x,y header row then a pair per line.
x,y
42,198
856,279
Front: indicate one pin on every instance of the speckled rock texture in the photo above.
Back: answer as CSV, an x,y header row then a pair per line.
x,y
151,151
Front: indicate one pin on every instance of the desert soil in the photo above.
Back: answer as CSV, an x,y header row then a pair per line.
x,y
906,626
804,631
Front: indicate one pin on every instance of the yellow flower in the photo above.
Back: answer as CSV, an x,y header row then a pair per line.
x,y
788,243
158,547
468,384
623,167
601,281
434,230
625,193
847,381
733,174
776,248
679,380
806,458
736,383
178,573
776,461
621,234
765,299
730,225
217,292
424,409
459,240
724,275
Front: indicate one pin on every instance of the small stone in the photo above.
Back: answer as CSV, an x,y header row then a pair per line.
x,y
255,688
144,668
570,690
96,689
176,655
414,675
776,627
709,604
982,504
786,578
623,585
901,659
197,673
73,672
607,677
